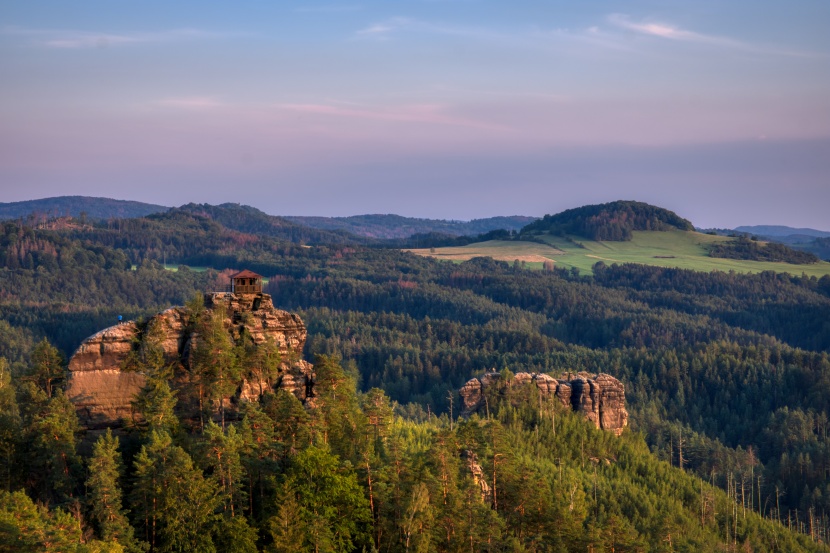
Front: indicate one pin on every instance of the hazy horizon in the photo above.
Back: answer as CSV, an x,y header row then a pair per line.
x,y
452,109
450,219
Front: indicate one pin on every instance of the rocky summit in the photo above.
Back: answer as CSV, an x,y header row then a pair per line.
x,y
103,389
600,398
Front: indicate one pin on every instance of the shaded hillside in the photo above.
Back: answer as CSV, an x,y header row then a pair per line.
x,y
811,241
94,208
819,247
250,220
396,226
752,250
613,221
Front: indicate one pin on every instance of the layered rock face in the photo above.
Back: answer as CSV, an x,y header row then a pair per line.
x,y
103,391
600,398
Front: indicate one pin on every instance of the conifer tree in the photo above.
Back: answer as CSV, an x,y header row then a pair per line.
x,y
47,366
55,463
156,401
221,452
214,364
339,418
333,512
104,493
29,528
173,501
9,426
291,421
258,454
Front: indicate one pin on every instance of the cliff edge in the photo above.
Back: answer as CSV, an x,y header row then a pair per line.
x,y
600,398
102,389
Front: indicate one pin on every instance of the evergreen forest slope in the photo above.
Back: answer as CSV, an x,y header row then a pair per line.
x,y
614,221
727,380
398,227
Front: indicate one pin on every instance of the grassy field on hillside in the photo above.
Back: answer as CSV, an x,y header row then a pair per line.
x,y
685,250
501,250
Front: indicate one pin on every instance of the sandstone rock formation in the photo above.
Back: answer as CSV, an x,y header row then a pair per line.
x,y
103,391
600,398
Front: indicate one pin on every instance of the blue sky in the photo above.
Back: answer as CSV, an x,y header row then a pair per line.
x,y
433,108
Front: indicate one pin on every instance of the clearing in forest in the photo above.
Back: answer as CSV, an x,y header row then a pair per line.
x,y
674,248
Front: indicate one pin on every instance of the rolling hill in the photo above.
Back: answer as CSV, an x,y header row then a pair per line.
x,y
251,220
94,208
614,221
397,227
639,233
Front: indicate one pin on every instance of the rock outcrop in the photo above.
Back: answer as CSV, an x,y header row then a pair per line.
x,y
102,387
600,398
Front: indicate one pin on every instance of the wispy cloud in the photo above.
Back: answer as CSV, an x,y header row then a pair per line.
x,y
674,33
191,102
530,38
384,29
73,39
607,37
668,31
423,113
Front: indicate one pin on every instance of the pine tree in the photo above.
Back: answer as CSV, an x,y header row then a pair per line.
x,y
287,528
9,426
173,501
104,493
338,415
333,510
221,453
156,401
26,527
258,454
47,366
291,421
55,463
214,364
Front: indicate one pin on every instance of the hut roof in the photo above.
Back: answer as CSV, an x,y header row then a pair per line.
x,y
246,274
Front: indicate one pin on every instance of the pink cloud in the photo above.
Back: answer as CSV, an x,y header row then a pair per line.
x,y
423,113
191,102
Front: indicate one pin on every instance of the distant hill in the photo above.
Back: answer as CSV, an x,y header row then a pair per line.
x,y
613,222
95,208
250,220
774,231
815,242
752,250
397,226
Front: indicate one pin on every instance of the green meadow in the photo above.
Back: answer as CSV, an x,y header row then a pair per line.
x,y
676,248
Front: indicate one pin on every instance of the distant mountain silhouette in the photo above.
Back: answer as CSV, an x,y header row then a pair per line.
x,y
94,208
779,230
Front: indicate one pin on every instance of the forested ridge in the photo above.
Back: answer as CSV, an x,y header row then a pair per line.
x,y
745,248
612,221
726,375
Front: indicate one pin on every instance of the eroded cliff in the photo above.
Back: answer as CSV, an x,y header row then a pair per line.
x,y
103,386
600,398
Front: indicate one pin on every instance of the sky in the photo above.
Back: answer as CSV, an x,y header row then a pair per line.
x,y
454,109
